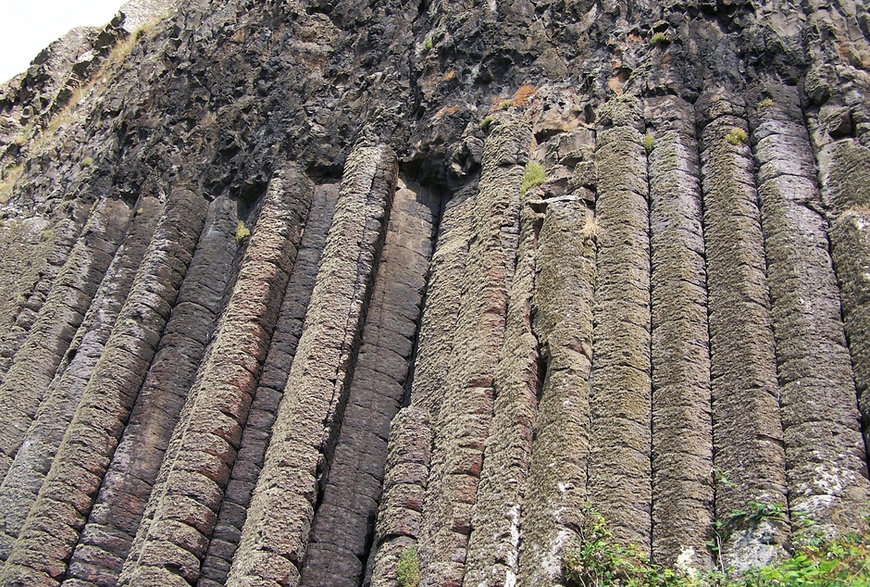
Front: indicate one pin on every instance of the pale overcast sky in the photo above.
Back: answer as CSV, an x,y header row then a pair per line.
x,y
28,26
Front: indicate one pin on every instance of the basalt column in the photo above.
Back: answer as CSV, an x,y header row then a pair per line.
x,y
52,529
111,527
184,503
682,435
493,547
619,460
823,444
275,534
400,516
34,365
24,479
464,418
33,251
748,456
844,169
264,407
343,522
562,310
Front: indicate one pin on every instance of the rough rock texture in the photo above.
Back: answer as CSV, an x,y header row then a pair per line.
x,y
293,291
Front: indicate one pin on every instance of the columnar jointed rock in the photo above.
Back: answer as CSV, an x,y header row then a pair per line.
x,y
45,543
343,523
682,441
514,432
845,180
406,470
824,448
34,364
553,509
619,460
747,435
463,420
24,479
264,407
181,513
114,519
494,543
275,534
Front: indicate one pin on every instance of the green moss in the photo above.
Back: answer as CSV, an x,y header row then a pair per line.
x,y
242,232
408,568
649,142
428,44
484,124
534,176
766,103
87,161
737,136
659,39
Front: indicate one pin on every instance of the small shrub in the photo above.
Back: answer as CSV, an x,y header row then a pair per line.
x,y
659,39
649,142
505,104
486,121
534,176
737,136
87,161
766,103
242,232
428,44
408,569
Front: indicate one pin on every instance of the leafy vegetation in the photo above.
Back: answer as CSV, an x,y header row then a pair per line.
x,y
534,176
408,569
595,560
428,44
486,121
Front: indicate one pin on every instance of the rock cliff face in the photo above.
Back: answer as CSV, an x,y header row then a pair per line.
x,y
292,288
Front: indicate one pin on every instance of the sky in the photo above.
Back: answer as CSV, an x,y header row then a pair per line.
x,y
28,26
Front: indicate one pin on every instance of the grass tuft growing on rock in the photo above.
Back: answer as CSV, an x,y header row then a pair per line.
x,y
486,121
242,232
534,176
659,39
737,136
649,142
408,568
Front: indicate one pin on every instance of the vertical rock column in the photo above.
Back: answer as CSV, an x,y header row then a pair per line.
x,y
748,452
111,527
34,365
343,522
184,503
619,460
562,306
264,407
844,170
682,434
409,445
823,444
52,529
464,418
493,547
34,250
276,530
24,479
